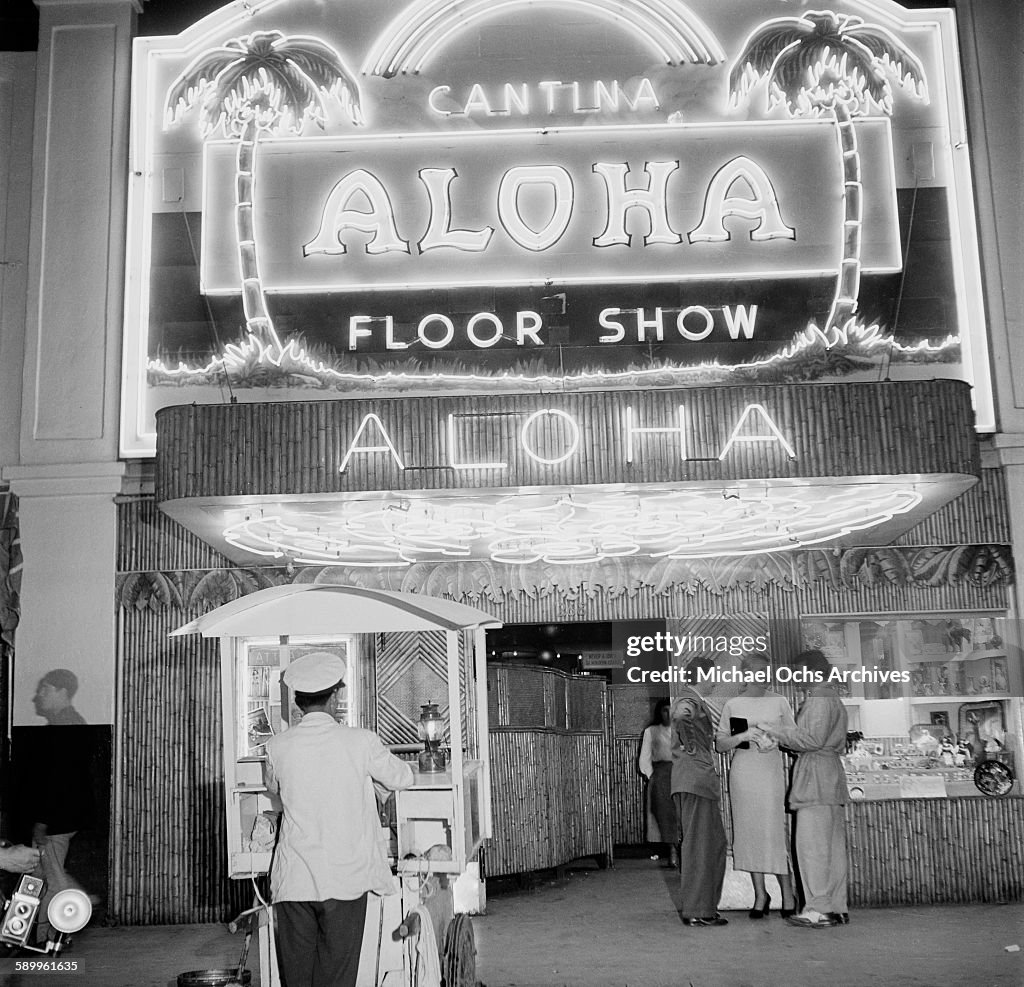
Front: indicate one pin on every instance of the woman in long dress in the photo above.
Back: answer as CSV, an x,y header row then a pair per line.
x,y
757,787
656,766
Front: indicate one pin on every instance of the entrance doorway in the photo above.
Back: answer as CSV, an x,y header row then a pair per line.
x,y
565,733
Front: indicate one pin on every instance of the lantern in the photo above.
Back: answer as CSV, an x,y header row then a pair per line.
x,y
431,732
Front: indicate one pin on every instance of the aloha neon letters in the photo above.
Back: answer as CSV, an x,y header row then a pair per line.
x,y
624,191
580,205
551,436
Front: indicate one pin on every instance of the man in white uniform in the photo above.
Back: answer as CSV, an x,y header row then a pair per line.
x,y
330,853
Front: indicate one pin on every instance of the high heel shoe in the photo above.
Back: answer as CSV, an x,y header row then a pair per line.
x,y
761,912
787,912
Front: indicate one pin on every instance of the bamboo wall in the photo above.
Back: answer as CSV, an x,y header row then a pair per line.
x,y
627,792
168,834
549,793
936,851
550,769
978,516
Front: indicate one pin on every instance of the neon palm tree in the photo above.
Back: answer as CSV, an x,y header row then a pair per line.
x,y
829,64
264,84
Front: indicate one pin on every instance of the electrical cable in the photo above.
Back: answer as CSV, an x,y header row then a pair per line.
x,y
212,322
887,360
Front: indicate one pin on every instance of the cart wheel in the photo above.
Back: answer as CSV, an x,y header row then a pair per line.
x,y
458,964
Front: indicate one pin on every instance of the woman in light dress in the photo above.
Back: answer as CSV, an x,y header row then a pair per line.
x,y
757,787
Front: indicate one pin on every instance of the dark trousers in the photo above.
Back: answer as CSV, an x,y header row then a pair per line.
x,y
318,942
663,807
701,856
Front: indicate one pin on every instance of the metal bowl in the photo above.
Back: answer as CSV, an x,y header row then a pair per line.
x,y
214,978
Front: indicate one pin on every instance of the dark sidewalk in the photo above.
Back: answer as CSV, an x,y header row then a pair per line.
x,y
594,928
620,927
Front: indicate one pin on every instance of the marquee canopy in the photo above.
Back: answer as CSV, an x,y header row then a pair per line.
x,y
306,608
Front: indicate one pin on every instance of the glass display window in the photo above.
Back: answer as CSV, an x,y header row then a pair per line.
x,y
257,707
265,705
929,699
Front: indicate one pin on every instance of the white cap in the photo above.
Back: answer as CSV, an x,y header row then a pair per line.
x,y
314,672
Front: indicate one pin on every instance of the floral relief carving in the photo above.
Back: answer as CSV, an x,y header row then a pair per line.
x,y
486,583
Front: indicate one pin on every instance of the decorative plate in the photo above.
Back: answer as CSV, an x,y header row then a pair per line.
x,y
993,778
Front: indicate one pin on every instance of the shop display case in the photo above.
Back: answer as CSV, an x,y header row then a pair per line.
x,y
960,658
932,699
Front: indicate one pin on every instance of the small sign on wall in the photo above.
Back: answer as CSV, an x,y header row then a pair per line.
x,y
602,659
922,787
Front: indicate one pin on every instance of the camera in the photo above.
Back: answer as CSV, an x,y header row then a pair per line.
x,y
68,911
20,914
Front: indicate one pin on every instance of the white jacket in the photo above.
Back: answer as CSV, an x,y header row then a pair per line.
x,y
330,844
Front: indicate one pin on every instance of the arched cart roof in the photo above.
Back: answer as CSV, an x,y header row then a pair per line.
x,y
306,608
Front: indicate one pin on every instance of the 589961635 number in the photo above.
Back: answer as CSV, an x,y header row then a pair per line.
x,y
46,966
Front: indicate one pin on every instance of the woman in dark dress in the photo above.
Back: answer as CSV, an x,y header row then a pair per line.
x,y
656,767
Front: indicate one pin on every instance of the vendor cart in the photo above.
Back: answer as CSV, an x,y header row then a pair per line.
x,y
434,829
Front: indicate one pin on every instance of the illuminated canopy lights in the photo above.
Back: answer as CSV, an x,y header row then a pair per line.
x,y
566,527
294,359
672,32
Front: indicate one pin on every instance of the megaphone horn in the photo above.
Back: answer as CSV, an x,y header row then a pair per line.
x,y
69,910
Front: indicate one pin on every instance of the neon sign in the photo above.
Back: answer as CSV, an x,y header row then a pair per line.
x,y
671,31
694,323
837,66
550,96
550,436
389,197
698,200
482,330
262,84
570,527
